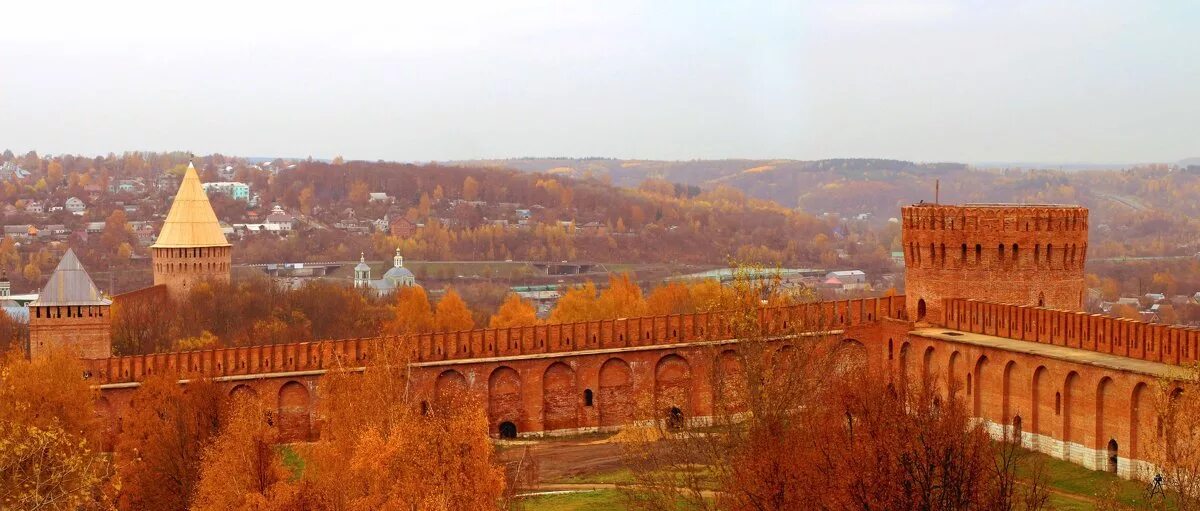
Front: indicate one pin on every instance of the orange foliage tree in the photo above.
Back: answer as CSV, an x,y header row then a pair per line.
x,y
622,299
380,451
578,303
452,313
164,434
241,469
412,314
513,312
48,436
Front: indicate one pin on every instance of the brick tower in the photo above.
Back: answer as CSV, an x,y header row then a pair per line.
x,y
191,247
1025,254
70,312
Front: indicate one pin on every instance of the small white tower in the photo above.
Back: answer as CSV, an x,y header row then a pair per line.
x,y
362,272
398,261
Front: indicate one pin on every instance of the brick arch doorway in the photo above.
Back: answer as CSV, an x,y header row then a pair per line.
x,y
615,398
921,309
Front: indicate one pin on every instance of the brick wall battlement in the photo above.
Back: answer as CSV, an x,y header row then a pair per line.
x,y
539,339
1136,339
988,217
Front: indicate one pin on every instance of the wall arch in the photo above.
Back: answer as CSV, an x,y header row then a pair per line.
x,y
928,373
243,391
729,393
294,412
504,397
1042,402
1070,394
1140,420
954,376
1106,399
450,386
905,362
1012,394
851,356
615,398
673,385
980,397
560,397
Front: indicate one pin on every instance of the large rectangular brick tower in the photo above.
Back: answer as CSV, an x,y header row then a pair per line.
x,y
1023,254
70,312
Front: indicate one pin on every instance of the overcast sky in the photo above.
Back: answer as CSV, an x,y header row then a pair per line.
x,y
934,80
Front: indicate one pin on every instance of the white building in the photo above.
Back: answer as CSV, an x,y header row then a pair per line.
x,y
238,191
282,220
75,206
396,277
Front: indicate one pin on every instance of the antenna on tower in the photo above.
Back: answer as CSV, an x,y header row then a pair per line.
x,y
937,191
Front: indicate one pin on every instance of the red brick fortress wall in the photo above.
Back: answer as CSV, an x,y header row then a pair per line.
x,y
1010,253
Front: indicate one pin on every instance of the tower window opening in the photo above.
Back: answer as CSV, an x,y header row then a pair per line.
x,y
978,253
963,258
1001,252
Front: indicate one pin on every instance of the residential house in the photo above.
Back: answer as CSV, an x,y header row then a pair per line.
x,y
379,197
75,206
135,186
592,229
20,232
281,219
35,207
403,227
233,189
850,279
10,170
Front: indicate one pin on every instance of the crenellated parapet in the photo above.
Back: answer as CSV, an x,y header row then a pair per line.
x,y
1031,254
1168,344
566,338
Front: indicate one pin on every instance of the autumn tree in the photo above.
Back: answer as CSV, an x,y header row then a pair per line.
x,y
411,314
514,312
670,298
49,436
164,435
360,193
622,298
452,313
382,450
241,468
578,303
470,189
1177,454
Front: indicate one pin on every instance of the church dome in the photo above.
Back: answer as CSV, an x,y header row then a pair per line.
x,y
399,273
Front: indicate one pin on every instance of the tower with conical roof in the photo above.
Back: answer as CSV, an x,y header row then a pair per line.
x,y
70,312
362,272
191,247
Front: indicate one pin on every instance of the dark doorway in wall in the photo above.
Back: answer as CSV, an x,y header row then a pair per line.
x,y
587,397
1112,456
921,309
508,430
675,418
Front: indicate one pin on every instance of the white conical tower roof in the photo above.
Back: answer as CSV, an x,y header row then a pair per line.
x,y
191,221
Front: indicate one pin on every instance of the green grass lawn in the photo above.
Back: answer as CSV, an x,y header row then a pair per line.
x,y
599,500
1088,485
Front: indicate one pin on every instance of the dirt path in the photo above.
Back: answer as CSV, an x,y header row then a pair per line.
x,y
559,459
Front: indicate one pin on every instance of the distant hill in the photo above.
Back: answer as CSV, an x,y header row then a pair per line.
x,y
792,183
